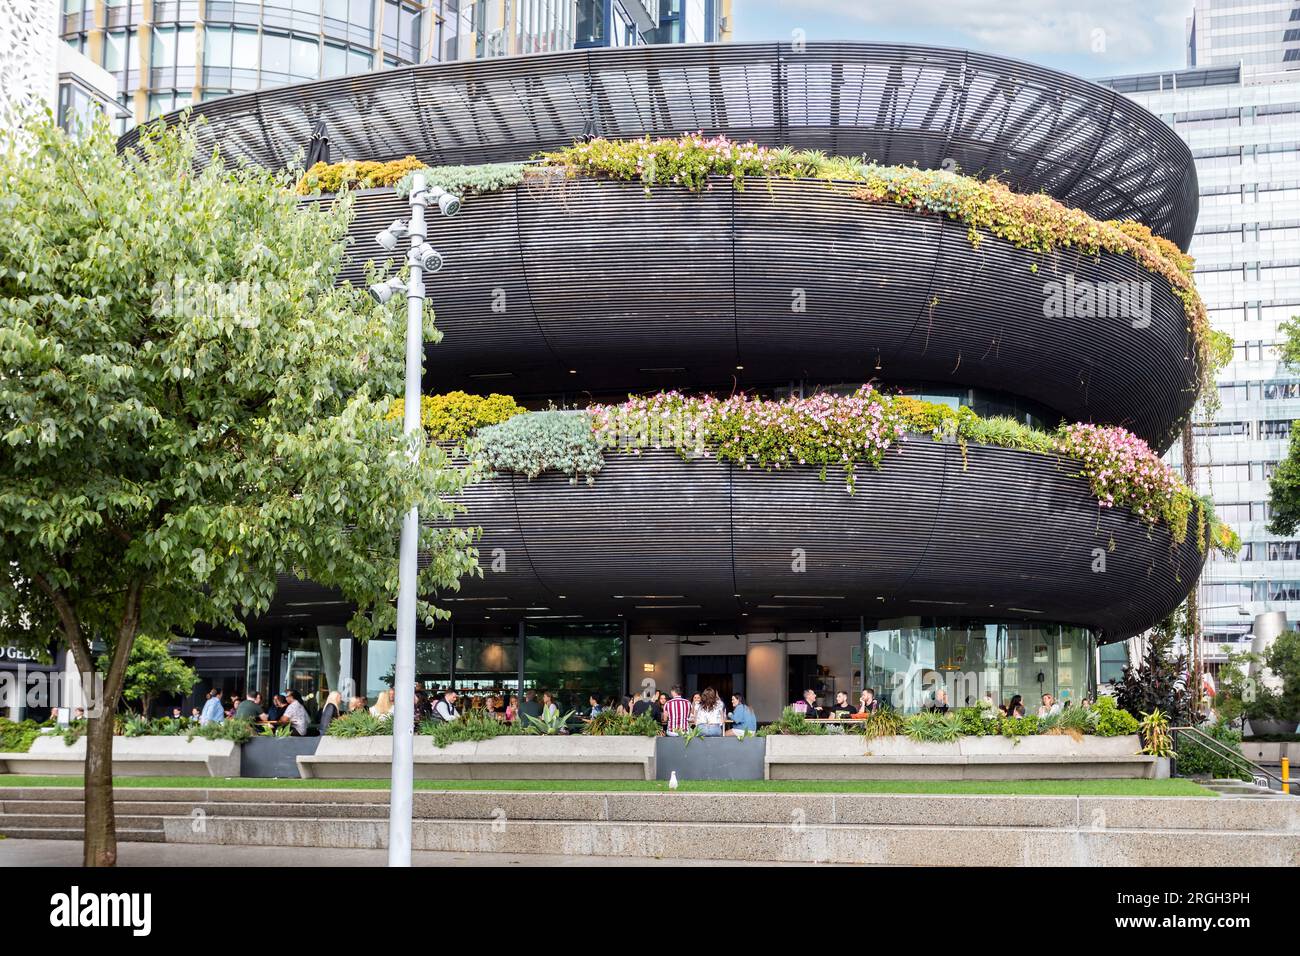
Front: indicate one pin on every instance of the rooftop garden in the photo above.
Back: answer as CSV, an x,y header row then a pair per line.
x,y
1034,222
833,433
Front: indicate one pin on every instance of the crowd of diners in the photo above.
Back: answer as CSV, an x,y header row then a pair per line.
x,y
706,711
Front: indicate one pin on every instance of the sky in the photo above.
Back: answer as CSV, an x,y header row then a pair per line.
x,y
1090,38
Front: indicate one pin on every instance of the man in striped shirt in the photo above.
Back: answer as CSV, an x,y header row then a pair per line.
x,y
677,713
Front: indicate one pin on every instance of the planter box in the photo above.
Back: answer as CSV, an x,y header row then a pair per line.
x,y
1270,728
501,758
850,757
132,757
275,756
710,758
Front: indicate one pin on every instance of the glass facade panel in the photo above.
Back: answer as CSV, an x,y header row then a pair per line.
x,y
487,663
432,664
574,661
316,660
914,662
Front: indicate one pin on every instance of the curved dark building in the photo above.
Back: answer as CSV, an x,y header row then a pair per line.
x,y
975,568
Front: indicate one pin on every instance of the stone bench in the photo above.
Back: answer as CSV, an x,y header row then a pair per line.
x,y
1054,757
132,757
501,758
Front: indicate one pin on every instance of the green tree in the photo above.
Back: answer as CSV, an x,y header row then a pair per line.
x,y
190,405
1283,659
1284,487
152,670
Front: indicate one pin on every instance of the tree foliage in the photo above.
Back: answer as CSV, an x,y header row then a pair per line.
x,y
190,406
151,671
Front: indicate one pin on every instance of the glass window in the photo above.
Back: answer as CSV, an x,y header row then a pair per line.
x,y
306,58
487,663
575,661
185,48
315,661
216,47
163,53
912,660
358,61
432,664
361,13
257,671
114,57
244,49
275,54
335,62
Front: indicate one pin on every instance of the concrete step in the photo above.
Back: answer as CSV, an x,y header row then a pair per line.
x,y
77,832
798,843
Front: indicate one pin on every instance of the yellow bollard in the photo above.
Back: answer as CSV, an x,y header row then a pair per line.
x,y
1286,775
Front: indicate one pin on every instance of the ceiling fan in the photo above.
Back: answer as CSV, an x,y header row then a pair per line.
x,y
687,640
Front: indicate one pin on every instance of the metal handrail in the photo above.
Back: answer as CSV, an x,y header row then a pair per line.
x,y
1261,776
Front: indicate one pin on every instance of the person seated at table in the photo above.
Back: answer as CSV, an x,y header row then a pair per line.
x,y
594,702
743,720
710,714
355,704
295,715
648,705
331,710
250,708
1049,706
383,705
1017,707
867,703
841,708
512,709
940,701
808,705
445,709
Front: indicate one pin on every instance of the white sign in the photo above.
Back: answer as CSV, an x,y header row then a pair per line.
x,y
10,653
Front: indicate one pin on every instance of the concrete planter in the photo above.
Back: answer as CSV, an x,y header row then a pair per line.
x,y
1270,728
132,757
523,757
1270,752
1049,757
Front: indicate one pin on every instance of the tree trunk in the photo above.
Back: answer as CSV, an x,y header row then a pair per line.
x,y
101,828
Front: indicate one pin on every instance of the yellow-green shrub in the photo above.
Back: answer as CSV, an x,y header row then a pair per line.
x,y
456,415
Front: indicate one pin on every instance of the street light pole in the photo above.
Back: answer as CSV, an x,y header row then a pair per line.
x,y
422,260
400,805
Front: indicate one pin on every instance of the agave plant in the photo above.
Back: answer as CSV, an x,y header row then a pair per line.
x,y
549,725
932,728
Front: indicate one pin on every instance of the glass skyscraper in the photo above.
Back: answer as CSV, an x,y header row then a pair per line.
x,y
168,54
1238,108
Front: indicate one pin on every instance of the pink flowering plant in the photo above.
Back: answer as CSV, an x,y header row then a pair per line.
x,y
1123,470
823,431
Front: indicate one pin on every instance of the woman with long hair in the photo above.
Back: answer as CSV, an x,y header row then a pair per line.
x,y
383,704
710,713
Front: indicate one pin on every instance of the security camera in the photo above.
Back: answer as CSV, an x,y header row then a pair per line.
x,y
448,204
426,257
388,237
381,292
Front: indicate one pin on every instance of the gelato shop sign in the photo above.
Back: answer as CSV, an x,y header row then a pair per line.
x,y
11,654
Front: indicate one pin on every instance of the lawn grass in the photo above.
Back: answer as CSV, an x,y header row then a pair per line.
x,y
1034,788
